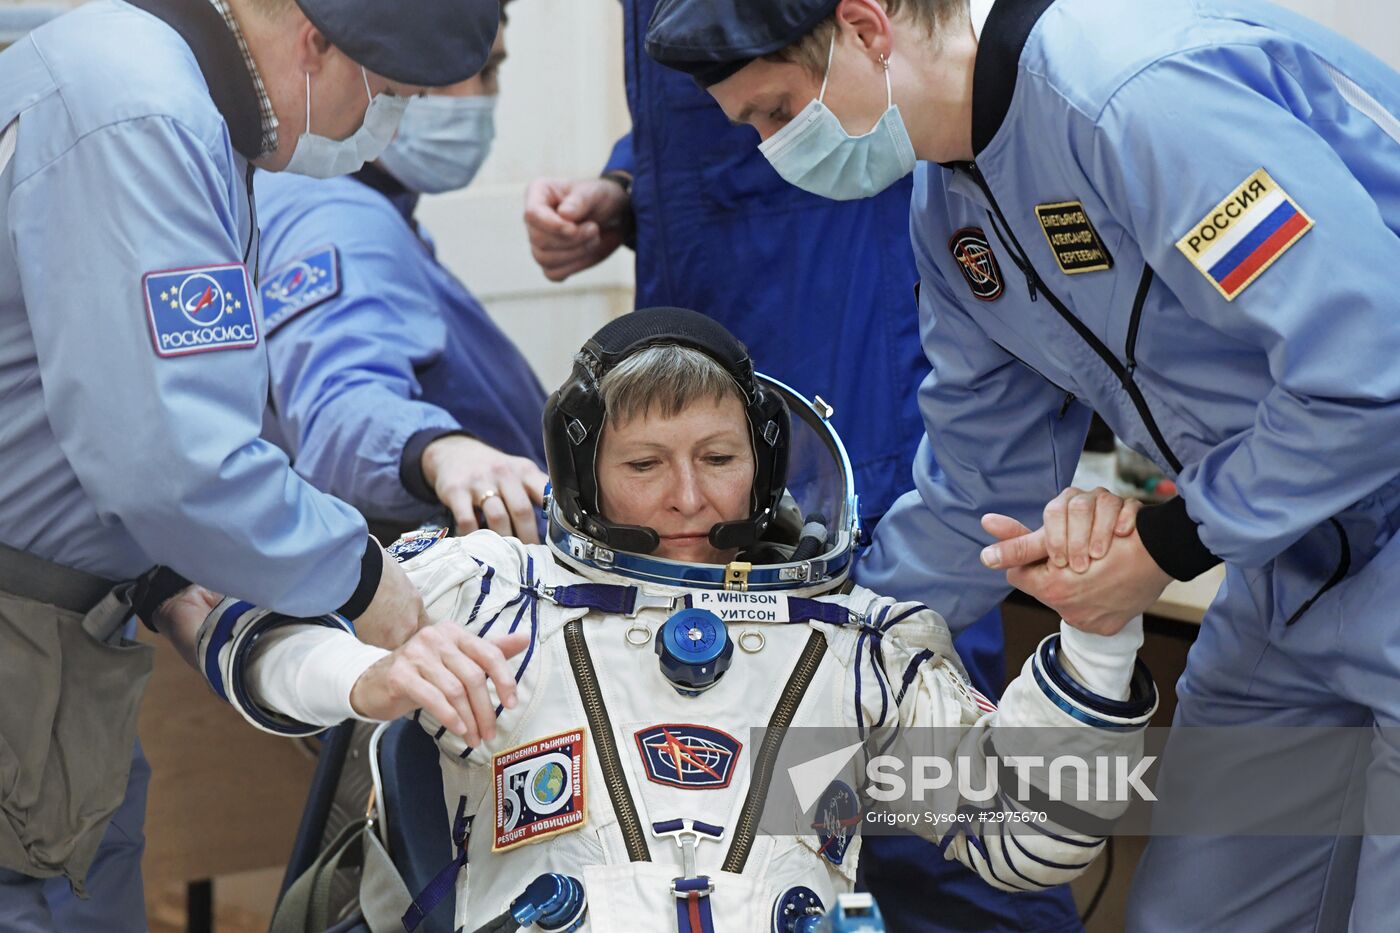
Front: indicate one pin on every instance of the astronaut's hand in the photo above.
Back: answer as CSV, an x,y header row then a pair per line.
x,y
1114,589
575,224
443,671
464,473
396,611
1079,526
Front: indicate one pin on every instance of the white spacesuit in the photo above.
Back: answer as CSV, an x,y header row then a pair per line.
x,y
636,759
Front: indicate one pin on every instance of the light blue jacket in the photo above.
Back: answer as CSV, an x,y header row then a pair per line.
x,y
1261,373
389,354
130,411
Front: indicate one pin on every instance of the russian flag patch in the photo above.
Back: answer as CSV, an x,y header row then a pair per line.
x,y
1245,234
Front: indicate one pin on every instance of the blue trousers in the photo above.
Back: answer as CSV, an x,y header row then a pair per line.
x,y
117,901
1339,665
919,892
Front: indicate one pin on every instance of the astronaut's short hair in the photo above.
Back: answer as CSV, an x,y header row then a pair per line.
x,y
666,378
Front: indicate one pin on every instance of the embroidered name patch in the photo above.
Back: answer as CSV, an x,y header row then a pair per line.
x,y
300,284
689,756
1073,239
539,790
200,310
979,266
415,543
1245,234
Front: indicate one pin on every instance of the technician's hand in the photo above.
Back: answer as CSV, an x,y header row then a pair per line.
x,y
180,617
396,611
443,671
574,225
1122,584
468,476
1078,529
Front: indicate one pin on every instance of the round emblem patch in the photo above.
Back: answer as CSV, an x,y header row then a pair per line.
x,y
974,257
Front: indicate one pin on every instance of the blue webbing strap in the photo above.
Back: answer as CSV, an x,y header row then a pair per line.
x,y
444,881
602,597
693,905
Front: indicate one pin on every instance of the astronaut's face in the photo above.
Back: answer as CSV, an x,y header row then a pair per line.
x,y
680,475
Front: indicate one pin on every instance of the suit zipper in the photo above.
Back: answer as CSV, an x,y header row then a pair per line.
x,y
765,761
600,726
1003,230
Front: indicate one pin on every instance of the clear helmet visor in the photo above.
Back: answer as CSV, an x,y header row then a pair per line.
x,y
810,543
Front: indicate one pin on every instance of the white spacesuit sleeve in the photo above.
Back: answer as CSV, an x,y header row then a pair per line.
x,y
306,672
1037,820
293,676
1103,663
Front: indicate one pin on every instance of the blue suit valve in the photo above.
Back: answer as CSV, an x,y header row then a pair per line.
x,y
853,913
695,650
553,903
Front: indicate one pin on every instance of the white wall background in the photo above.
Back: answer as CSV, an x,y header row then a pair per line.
x,y
561,108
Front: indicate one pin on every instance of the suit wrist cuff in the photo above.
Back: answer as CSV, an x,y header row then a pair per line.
x,y
371,569
1173,540
411,462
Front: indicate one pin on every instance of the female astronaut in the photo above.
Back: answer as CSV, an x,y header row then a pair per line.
x,y
610,706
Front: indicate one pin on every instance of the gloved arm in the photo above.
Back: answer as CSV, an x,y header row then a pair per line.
x,y
1049,712
298,676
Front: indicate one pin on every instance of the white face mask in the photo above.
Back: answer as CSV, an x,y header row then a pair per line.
x,y
323,157
442,142
815,153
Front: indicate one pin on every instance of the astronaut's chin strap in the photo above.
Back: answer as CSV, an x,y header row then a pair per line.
x,y
692,891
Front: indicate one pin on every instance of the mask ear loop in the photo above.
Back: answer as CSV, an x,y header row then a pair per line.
x,y
308,102
365,75
830,51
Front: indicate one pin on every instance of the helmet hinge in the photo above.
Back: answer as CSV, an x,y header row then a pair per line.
x,y
736,575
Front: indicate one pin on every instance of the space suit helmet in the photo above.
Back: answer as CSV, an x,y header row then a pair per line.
x,y
802,525
574,415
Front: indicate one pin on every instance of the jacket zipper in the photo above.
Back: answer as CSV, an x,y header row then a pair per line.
x,y
601,728
767,758
1002,228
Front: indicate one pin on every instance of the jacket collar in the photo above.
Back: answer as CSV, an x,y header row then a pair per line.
x,y
376,179
221,61
998,63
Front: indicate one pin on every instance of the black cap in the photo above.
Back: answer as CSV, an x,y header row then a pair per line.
x,y
712,39
430,43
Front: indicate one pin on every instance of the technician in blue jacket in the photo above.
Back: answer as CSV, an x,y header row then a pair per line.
x,y
824,294
133,380
1181,215
391,386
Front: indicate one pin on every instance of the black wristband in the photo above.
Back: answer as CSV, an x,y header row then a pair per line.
x,y
371,569
152,589
411,462
1173,540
